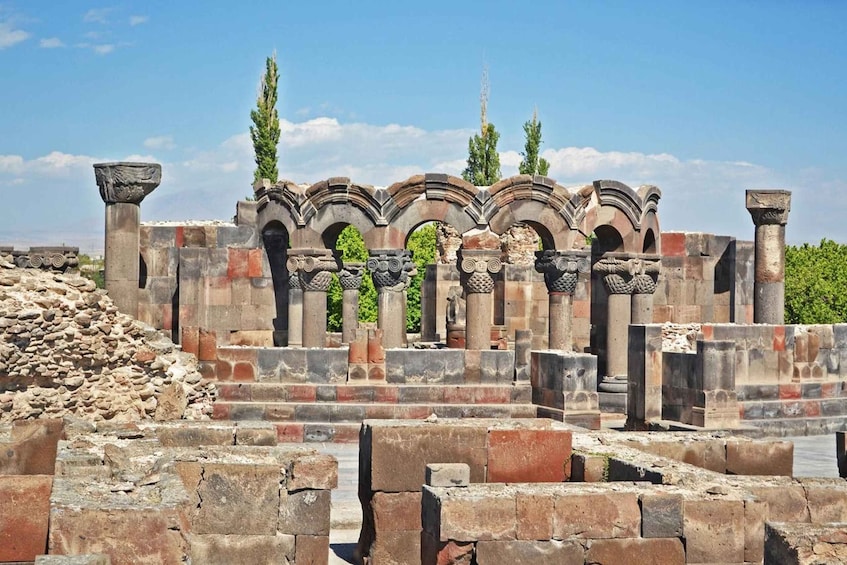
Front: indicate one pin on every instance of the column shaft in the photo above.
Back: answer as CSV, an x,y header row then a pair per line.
x,y
314,318
561,321
122,239
617,334
769,281
478,328
295,312
349,314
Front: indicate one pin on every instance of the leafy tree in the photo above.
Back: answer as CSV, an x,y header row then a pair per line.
x,y
353,250
816,283
265,129
93,269
532,164
483,165
422,245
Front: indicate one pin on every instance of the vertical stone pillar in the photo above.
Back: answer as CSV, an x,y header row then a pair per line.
x,y
617,272
769,210
295,310
350,278
390,270
644,284
122,187
561,273
478,259
315,267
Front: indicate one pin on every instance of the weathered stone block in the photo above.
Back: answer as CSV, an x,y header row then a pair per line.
x,y
759,457
447,475
397,547
24,516
317,471
529,553
534,516
587,468
396,512
304,512
193,435
661,515
597,515
311,550
214,549
714,531
489,517
528,456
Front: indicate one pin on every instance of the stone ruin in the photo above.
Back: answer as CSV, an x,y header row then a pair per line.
x,y
496,408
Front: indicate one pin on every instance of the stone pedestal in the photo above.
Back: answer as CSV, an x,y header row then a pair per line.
x,y
716,402
122,187
390,270
617,272
561,273
350,278
644,283
476,267
769,210
315,268
295,311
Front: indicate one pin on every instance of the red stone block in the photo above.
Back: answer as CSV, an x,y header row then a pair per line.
x,y
830,390
243,372
24,516
233,392
673,244
386,393
345,434
207,348
813,408
376,353
190,339
167,317
528,456
180,236
220,412
311,550
353,393
434,552
659,551
394,512
380,411
238,266
458,395
493,395
779,338
376,372
33,448
535,517
223,370
708,331
289,433
254,263
792,391
412,412
597,516
301,393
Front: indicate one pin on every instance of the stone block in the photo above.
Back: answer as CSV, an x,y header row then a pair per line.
x,y
447,475
195,436
435,552
256,434
396,511
588,468
755,516
281,365
399,454
32,450
24,516
311,550
714,531
86,559
759,457
597,515
397,547
534,516
528,456
642,551
304,512
827,500
661,515
519,552
489,517
317,471
214,549
497,366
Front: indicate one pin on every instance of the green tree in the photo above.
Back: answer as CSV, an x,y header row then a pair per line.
x,y
353,250
265,129
532,164
422,245
816,283
483,165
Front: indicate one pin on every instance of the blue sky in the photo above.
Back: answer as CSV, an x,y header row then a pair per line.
x,y
703,99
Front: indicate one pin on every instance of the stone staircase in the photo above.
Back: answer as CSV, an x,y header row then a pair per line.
x,y
808,408
334,412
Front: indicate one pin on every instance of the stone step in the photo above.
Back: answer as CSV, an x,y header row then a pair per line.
x,y
799,426
752,410
792,391
512,393
589,420
308,412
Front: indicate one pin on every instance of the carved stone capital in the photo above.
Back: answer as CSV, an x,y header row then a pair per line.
x,y
350,276
314,268
617,272
294,281
390,269
476,267
561,269
126,182
646,277
769,207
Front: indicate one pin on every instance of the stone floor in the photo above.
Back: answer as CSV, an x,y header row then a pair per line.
x,y
814,456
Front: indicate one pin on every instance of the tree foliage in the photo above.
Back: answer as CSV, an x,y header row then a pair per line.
x,y
816,283
532,164
483,165
265,129
353,250
422,245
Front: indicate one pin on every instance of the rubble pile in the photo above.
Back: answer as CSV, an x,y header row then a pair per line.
x,y
65,350
680,338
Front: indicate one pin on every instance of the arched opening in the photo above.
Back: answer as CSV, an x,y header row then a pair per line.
x,y
604,239
649,242
347,241
276,243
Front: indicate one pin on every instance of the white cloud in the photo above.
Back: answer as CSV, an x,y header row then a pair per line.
x,y
10,35
103,49
160,142
51,43
97,15
138,20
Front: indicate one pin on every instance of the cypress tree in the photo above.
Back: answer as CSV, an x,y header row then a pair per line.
x,y
531,163
483,165
265,129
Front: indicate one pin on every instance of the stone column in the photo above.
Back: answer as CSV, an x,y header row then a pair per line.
x,y
478,259
295,311
315,267
390,270
122,187
769,209
644,282
350,278
561,273
617,272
